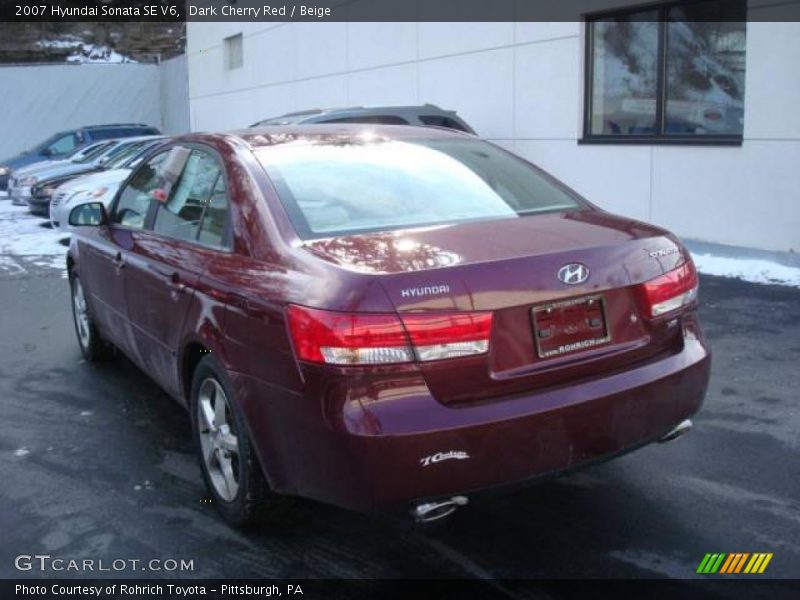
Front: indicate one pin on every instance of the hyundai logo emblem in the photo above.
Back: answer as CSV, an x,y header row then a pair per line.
x,y
573,273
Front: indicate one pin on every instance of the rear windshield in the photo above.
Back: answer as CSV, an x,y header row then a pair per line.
x,y
331,187
374,119
443,121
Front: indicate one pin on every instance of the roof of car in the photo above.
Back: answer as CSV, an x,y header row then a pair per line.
x,y
273,135
355,111
114,125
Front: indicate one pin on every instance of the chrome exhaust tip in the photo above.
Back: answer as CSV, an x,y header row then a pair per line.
x,y
682,428
433,511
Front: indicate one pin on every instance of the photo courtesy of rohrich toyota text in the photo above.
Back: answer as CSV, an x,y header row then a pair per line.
x,y
390,298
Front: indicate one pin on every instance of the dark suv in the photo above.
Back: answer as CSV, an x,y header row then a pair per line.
x,y
425,115
66,142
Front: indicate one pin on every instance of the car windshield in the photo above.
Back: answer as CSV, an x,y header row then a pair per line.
x,y
115,151
120,159
340,186
95,154
89,152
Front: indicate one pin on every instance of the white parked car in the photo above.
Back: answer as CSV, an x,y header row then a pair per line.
x,y
21,181
98,187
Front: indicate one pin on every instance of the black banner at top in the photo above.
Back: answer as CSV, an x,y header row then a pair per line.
x,y
369,10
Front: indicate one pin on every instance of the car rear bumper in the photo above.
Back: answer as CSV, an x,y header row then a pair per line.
x,y
364,447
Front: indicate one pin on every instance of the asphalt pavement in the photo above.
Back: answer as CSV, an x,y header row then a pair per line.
x,y
96,461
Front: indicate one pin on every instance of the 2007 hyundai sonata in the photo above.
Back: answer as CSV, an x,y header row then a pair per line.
x,y
384,316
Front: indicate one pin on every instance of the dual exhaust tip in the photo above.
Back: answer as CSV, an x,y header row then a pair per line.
x,y
428,512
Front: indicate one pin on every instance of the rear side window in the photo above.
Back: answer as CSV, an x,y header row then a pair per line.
x,y
197,205
374,119
442,121
330,188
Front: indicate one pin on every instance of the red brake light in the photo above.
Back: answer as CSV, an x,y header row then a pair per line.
x,y
355,339
347,339
671,290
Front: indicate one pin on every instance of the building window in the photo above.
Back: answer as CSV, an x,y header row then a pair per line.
x,y
673,73
234,58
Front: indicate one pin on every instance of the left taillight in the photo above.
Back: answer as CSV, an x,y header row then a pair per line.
x,y
337,338
670,291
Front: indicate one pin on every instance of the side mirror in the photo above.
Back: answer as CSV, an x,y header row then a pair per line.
x,y
91,214
46,152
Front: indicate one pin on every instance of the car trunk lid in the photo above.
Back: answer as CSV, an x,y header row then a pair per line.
x,y
545,332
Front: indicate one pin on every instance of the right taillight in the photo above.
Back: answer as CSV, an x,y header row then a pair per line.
x,y
337,338
670,291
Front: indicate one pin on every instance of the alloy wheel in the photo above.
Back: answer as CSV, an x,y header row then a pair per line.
x,y
80,311
218,441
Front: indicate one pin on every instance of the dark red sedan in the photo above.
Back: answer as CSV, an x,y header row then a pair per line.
x,y
378,316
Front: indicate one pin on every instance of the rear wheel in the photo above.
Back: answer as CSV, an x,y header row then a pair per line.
x,y
92,345
230,467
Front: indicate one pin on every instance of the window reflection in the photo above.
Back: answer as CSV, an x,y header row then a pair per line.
x,y
705,73
696,88
625,76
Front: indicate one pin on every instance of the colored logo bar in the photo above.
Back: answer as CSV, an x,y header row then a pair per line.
x,y
735,562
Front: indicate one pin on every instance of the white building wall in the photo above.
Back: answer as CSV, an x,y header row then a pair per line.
x,y
39,100
174,95
521,85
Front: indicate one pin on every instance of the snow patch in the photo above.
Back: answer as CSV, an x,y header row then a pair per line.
x,y
752,270
92,54
22,236
66,42
85,53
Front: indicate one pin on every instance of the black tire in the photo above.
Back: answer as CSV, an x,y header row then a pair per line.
x,y
93,347
252,495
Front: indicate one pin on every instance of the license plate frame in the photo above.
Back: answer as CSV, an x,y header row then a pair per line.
x,y
557,313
